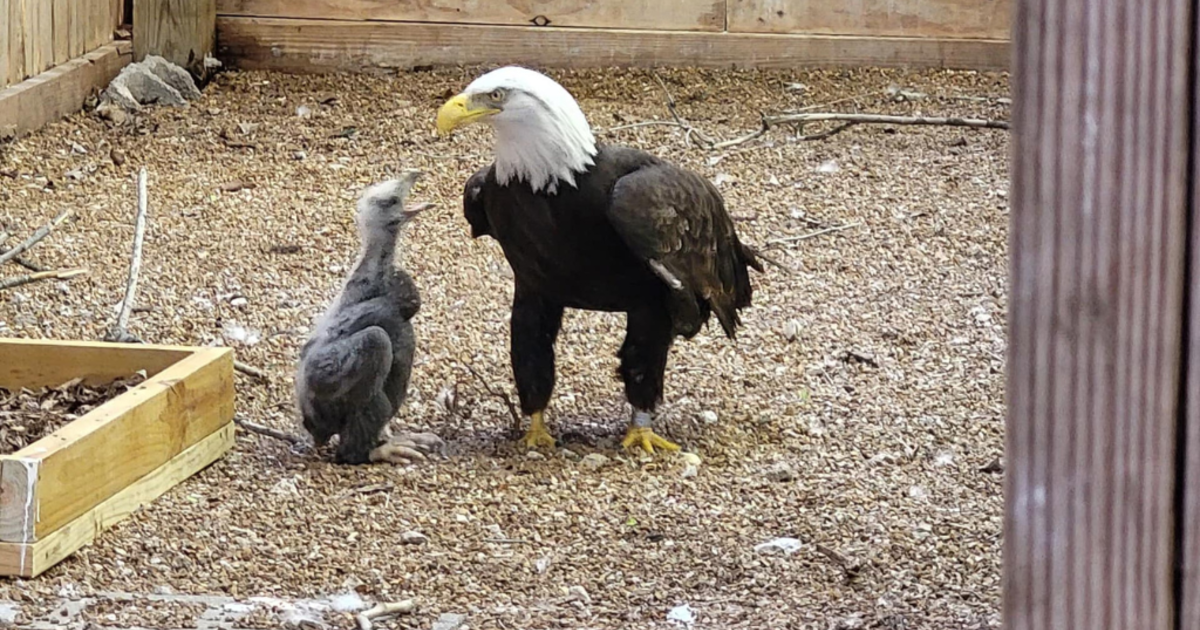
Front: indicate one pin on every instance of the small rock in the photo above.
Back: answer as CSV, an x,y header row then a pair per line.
x,y
780,472
579,594
690,458
304,111
78,148
994,466
247,128
594,461
828,166
413,538
791,330
449,621
172,75
117,156
112,113
567,453
232,186
299,155
541,565
75,174
534,455
682,614
238,302
958,142
785,546
708,417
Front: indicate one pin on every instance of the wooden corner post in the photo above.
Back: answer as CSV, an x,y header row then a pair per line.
x,y
181,31
1102,173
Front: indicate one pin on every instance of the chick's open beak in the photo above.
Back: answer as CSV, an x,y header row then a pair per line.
x,y
414,210
460,110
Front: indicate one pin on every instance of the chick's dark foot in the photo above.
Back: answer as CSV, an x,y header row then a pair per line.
x,y
537,436
408,448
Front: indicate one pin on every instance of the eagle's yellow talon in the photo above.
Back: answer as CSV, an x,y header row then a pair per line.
x,y
647,439
537,436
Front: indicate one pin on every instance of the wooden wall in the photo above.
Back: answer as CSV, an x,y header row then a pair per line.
x,y
348,35
36,35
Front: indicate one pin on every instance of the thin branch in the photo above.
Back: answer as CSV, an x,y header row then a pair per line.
x,y
769,122
250,370
34,238
254,427
512,409
805,237
365,617
704,138
120,330
57,274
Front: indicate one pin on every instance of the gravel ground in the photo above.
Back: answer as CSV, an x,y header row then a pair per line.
x,y
860,410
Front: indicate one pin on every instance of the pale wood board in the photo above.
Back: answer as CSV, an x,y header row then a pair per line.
x,y
4,52
61,18
60,91
148,425
40,36
1189,457
78,37
1099,180
181,31
684,15
332,46
982,19
15,25
30,560
47,363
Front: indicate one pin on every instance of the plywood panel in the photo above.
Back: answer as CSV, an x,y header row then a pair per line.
x,y
690,15
1100,173
989,19
61,20
330,46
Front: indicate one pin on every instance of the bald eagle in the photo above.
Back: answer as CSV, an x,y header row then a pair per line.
x,y
596,227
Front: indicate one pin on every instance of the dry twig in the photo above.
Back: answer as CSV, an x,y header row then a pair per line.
x,y
34,238
120,329
512,409
849,120
680,121
808,235
57,274
249,370
382,610
254,427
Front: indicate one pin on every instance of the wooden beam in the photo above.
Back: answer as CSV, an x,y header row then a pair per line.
x,y
683,15
15,39
332,46
988,19
60,91
67,472
181,31
61,30
37,363
1100,165
30,560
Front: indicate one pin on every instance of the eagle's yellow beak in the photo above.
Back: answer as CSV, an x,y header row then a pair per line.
x,y
461,110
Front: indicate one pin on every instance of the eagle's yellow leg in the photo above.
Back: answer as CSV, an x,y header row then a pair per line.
x,y
537,436
640,434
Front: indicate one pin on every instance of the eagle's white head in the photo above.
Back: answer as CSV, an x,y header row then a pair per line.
x,y
542,137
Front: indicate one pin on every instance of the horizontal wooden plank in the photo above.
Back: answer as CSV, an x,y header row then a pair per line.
x,y
984,19
60,91
30,560
331,46
148,425
49,362
685,15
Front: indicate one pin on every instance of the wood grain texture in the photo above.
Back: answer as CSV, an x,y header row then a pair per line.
x,y
39,37
181,31
331,46
61,29
1189,495
4,52
60,91
686,15
15,29
1099,173
986,19
148,425
48,362
32,559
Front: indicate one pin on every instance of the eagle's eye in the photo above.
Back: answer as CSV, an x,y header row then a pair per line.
x,y
497,95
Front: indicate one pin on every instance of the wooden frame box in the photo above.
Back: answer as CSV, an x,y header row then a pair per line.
x,y
59,493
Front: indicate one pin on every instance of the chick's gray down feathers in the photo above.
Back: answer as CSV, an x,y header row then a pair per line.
x,y
354,369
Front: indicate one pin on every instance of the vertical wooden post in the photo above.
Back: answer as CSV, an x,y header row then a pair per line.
x,y
182,31
1100,172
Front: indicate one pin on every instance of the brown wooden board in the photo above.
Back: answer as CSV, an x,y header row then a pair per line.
x,y
15,38
332,46
60,91
181,31
985,19
685,15
1100,162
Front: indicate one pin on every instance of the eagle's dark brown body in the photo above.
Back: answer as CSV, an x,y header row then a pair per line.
x,y
588,247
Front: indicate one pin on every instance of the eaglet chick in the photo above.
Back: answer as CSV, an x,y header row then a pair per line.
x,y
354,369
